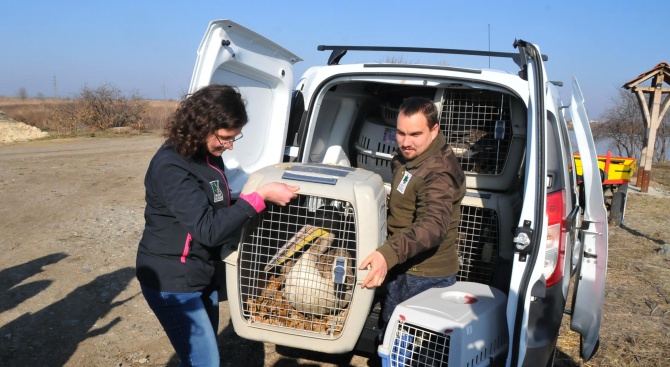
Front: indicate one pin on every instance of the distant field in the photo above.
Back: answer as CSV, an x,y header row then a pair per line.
x,y
38,112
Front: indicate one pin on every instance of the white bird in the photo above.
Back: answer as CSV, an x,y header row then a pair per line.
x,y
321,279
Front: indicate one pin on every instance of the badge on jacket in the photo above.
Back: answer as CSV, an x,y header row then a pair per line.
x,y
218,194
403,183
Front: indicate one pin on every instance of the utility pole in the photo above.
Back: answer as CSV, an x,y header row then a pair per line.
x,y
54,86
164,103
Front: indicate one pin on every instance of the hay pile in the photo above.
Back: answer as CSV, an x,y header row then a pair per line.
x,y
272,309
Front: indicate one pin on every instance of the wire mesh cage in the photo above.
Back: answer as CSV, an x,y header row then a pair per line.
x,y
477,125
417,346
297,265
480,239
293,277
461,325
478,242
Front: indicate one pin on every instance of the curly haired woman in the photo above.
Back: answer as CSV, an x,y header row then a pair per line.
x,y
189,217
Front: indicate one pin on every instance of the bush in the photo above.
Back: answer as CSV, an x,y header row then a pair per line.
x,y
64,119
98,109
90,111
106,107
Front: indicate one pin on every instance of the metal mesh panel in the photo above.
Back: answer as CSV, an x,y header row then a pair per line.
x,y
297,265
477,244
469,119
418,347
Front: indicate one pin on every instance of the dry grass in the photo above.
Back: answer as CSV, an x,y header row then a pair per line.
x,y
40,112
660,176
636,320
34,112
157,113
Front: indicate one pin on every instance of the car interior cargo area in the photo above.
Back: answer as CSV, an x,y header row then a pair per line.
x,y
486,128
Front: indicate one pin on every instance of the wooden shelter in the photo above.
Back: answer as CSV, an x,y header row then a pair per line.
x,y
653,109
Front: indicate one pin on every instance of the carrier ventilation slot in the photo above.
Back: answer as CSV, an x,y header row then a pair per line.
x,y
485,354
297,265
375,147
477,125
477,244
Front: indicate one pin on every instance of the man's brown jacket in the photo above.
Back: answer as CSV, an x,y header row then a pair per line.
x,y
424,212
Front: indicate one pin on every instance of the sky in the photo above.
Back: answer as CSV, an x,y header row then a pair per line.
x,y
55,48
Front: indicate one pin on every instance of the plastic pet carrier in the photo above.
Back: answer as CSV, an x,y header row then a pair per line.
x,y
374,148
294,279
486,130
461,325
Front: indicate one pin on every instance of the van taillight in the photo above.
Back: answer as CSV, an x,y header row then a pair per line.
x,y
556,238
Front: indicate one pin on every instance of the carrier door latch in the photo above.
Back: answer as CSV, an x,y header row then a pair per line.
x,y
522,240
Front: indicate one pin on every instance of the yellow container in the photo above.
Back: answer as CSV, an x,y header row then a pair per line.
x,y
613,170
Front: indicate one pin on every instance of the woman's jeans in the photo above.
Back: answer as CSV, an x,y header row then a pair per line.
x,y
191,321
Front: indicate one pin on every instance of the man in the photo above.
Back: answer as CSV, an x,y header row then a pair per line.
x,y
424,210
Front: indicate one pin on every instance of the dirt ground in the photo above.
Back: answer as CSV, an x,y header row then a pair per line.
x,y
636,317
71,218
72,214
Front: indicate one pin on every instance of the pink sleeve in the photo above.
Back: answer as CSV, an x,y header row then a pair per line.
x,y
255,200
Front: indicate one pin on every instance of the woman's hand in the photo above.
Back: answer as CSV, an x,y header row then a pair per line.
x,y
278,193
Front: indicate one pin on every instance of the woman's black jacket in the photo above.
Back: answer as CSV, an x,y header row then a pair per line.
x,y
188,219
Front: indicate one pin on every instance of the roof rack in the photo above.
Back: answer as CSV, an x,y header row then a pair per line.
x,y
339,51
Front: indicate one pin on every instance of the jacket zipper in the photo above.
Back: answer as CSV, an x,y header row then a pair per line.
x,y
189,239
187,246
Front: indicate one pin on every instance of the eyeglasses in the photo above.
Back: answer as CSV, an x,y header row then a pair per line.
x,y
224,142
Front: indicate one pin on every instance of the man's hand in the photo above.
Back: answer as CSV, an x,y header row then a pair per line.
x,y
377,273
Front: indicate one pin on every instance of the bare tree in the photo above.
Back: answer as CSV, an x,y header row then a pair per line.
x,y
106,106
66,119
623,126
101,108
22,93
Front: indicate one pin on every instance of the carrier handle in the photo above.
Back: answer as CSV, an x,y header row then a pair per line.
x,y
361,275
360,149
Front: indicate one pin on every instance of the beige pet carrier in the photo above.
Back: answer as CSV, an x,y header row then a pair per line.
x,y
294,279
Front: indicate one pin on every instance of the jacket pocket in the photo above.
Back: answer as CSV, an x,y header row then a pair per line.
x,y
199,273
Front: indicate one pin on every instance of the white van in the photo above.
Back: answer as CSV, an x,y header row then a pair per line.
x,y
522,235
